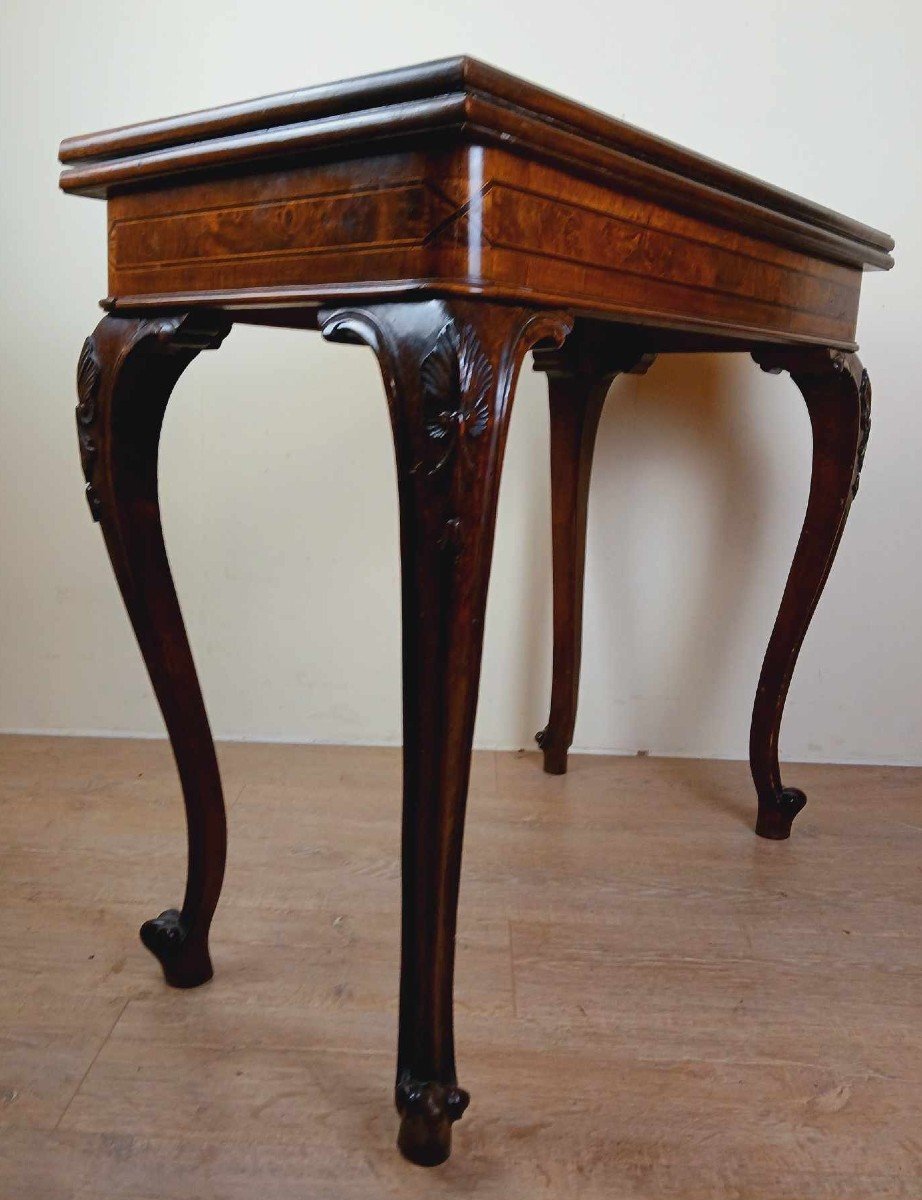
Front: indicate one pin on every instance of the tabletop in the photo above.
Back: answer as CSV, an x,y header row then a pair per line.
x,y
455,178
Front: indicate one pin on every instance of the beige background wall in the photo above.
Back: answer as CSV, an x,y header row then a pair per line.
x,y
277,477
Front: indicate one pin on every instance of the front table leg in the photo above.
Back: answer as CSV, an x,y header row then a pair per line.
x,y
838,396
127,370
449,370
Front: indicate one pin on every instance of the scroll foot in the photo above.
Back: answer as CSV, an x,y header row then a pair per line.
x,y
185,960
777,813
555,757
427,1112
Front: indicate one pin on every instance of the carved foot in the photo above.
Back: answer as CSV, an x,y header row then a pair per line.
x,y
427,1112
778,812
555,756
186,962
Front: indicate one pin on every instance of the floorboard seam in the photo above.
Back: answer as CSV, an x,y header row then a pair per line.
x,y
101,1047
515,1005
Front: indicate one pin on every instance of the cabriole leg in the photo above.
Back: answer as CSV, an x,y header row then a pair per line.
x,y
580,375
449,369
838,397
127,370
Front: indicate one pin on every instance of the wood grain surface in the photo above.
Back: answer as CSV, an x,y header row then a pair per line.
x,y
651,1003
452,97
482,221
455,179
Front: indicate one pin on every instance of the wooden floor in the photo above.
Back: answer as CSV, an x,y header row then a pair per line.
x,y
651,1002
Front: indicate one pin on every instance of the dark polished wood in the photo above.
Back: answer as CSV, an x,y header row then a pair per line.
x,y
127,370
455,95
580,375
837,392
451,217
456,219
449,370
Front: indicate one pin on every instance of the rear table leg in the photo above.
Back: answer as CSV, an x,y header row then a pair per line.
x,y
580,375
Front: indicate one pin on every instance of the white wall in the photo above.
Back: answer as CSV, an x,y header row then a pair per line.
x,y
277,477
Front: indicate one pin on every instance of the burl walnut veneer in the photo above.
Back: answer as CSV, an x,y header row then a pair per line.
x,y
451,217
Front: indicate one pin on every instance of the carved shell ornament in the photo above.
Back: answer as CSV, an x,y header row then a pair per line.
x,y
88,373
87,381
864,418
840,363
457,379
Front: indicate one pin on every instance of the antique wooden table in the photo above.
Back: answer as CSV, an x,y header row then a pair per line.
x,y
451,217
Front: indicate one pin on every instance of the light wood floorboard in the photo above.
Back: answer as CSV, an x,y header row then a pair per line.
x,y
651,1002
